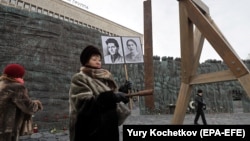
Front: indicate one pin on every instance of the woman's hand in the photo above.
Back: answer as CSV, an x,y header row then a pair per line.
x,y
39,103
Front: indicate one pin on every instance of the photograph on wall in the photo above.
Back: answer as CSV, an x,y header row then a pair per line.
x,y
132,48
112,50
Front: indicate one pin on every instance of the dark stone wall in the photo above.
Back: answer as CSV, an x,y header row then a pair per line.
x,y
49,49
219,96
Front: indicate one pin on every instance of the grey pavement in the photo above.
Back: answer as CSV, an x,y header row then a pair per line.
x,y
236,118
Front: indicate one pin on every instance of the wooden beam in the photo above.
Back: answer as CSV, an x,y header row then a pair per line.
x,y
216,40
202,6
148,53
198,45
245,82
187,44
213,77
189,55
182,104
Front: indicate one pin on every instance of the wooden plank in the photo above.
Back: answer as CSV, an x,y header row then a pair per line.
x,y
202,6
245,82
181,104
188,54
148,53
213,77
198,45
216,40
187,44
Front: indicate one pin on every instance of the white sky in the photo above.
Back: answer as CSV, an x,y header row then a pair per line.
x,y
231,16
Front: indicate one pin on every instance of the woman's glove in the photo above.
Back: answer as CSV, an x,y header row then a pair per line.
x,y
39,104
126,87
120,96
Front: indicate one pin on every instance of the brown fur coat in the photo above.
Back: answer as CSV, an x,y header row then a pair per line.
x,y
92,106
16,109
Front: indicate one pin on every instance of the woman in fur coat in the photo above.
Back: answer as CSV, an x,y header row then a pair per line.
x,y
93,96
16,107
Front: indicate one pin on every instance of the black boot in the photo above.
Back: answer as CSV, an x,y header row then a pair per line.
x,y
196,123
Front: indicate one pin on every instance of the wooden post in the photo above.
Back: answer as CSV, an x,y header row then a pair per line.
x,y
148,53
130,98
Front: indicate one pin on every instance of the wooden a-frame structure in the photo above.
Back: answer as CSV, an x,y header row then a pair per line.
x,y
195,25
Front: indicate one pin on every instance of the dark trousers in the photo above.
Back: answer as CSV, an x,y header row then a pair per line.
x,y
197,116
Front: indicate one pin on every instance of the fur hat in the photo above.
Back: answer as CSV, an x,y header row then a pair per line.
x,y
87,53
14,71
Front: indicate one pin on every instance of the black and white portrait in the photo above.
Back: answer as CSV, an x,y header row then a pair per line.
x,y
112,50
132,50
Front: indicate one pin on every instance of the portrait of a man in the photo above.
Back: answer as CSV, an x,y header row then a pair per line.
x,y
112,50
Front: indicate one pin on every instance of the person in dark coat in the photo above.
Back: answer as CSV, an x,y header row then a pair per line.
x,y
93,97
200,106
